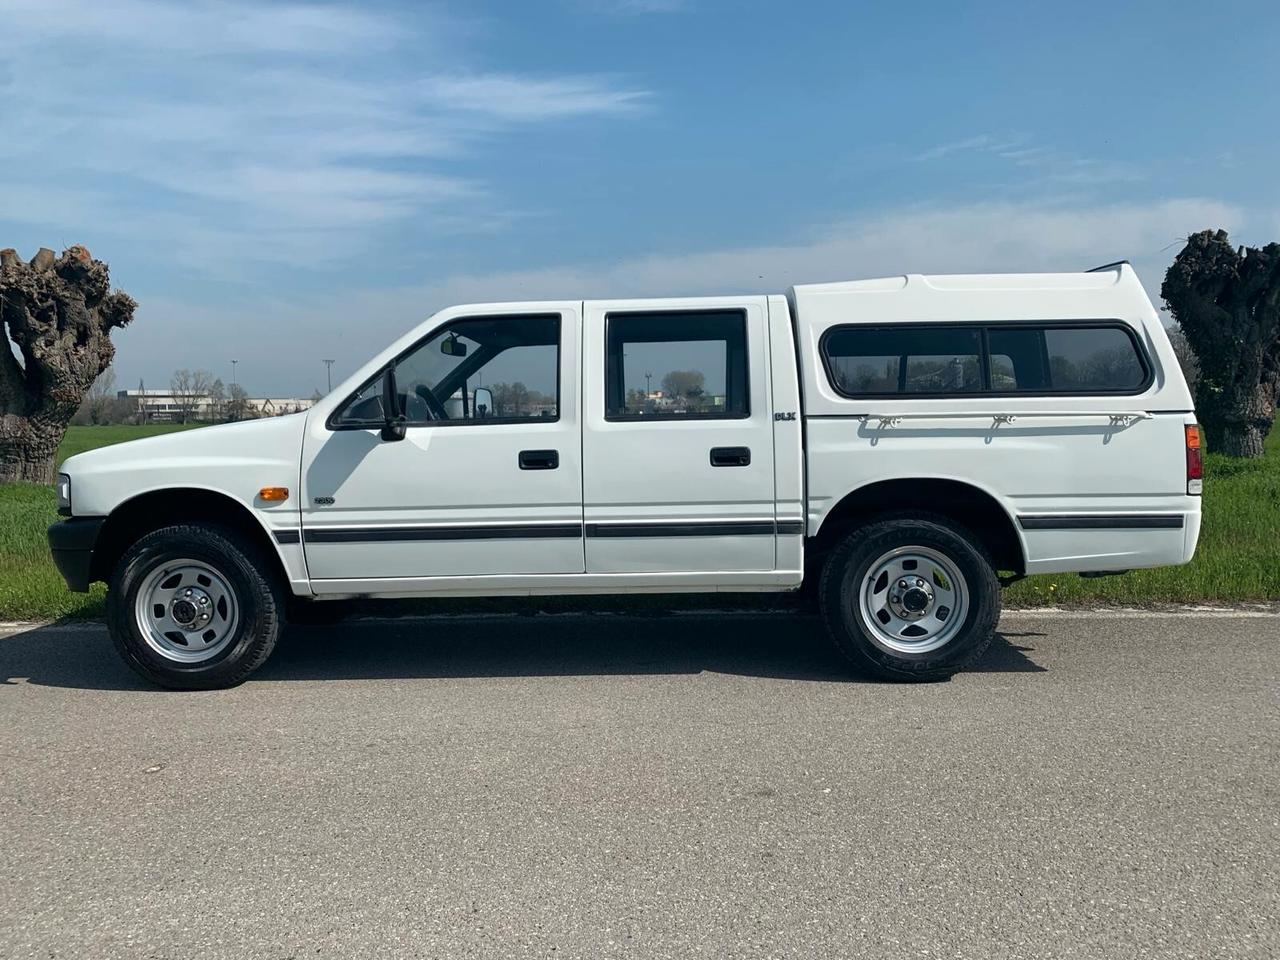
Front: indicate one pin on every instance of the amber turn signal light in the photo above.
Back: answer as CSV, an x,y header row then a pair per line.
x,y
274,494
1195,466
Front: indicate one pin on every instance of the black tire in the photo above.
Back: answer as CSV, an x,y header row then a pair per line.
x,y
849,565
259,597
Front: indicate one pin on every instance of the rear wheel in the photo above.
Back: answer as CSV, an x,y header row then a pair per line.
x,y
910,598
193,607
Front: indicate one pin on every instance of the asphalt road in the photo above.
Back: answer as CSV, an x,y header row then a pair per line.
x,y
648,787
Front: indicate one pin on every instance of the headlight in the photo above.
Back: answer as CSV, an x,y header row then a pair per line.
x,y
64,494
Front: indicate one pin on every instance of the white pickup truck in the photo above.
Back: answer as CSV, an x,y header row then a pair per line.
x,y
895,444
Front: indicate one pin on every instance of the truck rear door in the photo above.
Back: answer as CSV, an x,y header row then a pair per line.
x,y
678,445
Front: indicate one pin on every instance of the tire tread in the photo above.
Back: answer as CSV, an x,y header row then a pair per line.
x,y
267,594
984,596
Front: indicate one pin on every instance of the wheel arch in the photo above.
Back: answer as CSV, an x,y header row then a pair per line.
x,y
968,504
153,509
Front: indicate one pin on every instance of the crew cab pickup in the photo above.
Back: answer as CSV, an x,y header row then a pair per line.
x,y
900,446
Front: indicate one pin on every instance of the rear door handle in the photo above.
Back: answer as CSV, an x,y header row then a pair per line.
x,y
539,459
731,456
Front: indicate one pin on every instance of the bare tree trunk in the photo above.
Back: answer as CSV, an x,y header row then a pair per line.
x,y
1238,414
1244,441
1237,425
1227,304
58,312
28,446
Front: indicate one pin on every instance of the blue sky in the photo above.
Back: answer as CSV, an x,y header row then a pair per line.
x,y
285,182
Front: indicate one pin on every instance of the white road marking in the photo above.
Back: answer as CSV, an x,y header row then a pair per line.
x,y
1158,613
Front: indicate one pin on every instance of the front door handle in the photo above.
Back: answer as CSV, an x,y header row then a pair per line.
x,y
539,459
731,456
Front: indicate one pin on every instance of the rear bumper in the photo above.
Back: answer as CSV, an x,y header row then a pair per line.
x,y
71,542
1110,541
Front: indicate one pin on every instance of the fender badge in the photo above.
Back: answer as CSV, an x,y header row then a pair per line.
x,y
322,501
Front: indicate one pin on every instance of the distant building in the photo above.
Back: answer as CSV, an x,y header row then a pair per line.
x,y
278,406
161,406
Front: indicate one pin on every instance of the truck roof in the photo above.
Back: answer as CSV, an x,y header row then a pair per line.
x,y
1111,292
1096,279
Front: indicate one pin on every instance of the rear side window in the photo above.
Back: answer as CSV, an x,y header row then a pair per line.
x,y
681,365
1065,360
967,359
905,360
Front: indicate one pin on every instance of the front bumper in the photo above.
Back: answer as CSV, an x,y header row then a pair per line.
x,y
71,542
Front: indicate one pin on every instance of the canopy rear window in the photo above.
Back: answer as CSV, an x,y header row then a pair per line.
x,y
968,359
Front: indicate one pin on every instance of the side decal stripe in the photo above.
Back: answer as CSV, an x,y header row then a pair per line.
x,y
692,528
543,531
1103,521
532,531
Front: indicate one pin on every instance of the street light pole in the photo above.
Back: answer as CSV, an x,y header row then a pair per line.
x,y
328,374
233,372
647,390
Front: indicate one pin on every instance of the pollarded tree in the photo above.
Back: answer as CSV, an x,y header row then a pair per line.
x,y
1227,302
58,313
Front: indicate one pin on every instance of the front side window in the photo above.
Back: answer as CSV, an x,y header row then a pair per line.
x,y
679,365
936,360
482,369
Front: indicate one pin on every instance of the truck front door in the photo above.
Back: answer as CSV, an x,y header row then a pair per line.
x,y
487,479
678,454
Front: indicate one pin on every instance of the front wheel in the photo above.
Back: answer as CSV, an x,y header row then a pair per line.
x,y
193,607
910,598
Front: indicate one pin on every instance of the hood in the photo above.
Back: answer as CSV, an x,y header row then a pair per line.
x,y
236,459
275,440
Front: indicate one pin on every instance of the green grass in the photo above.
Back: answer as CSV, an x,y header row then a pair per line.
x,y
1238,558
30,586
80,439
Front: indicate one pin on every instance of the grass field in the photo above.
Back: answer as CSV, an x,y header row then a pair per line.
x,y
80,439
30,587
1238,557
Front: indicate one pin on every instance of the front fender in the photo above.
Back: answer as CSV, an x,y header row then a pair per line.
x,y
233,461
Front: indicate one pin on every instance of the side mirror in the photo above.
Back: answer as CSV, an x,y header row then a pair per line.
x,y
392,418
482,402
451,346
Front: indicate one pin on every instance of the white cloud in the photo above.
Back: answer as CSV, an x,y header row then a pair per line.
x,y
978,238
988,237
305,130
984,141
1043,164
508,97
198,26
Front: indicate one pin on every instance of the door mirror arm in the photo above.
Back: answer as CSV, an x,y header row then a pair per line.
x,y
392,419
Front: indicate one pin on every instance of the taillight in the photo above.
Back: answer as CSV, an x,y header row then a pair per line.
x,y
1195,466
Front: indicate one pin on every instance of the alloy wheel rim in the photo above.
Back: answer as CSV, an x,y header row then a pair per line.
x,y
186,611
913,600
